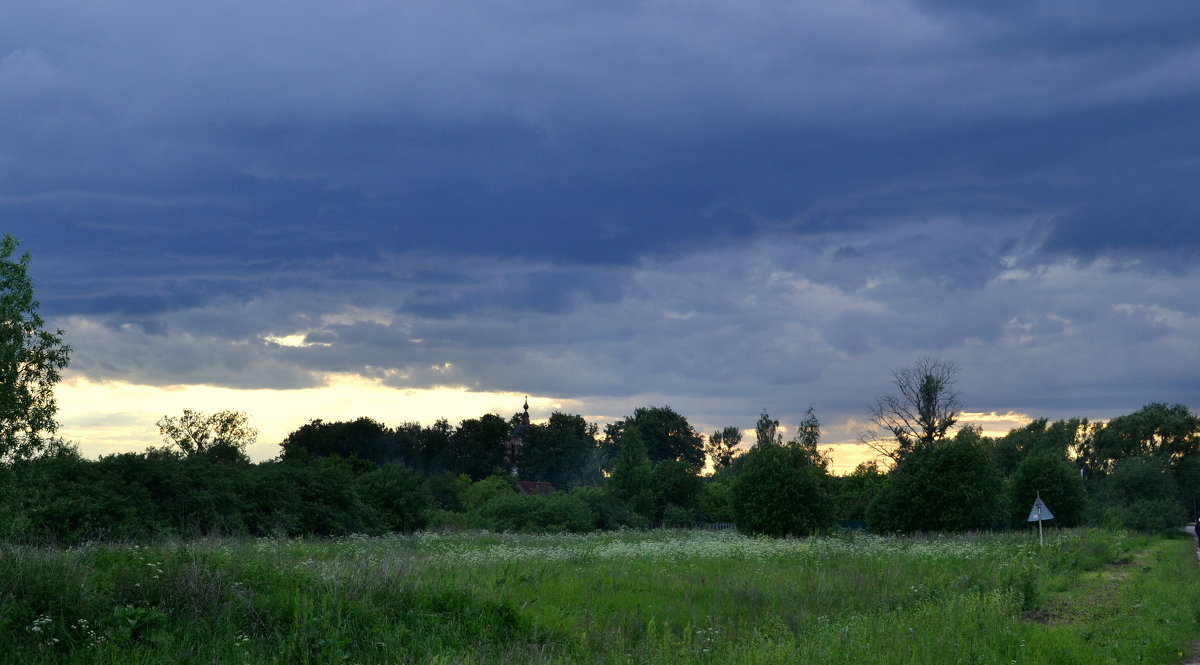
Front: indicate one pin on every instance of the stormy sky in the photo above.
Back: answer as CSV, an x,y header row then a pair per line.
x,y
723,207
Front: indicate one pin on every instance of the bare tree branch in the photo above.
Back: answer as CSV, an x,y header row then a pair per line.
x,y
922,412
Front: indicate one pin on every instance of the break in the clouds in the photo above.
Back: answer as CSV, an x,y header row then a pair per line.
x,y
723,206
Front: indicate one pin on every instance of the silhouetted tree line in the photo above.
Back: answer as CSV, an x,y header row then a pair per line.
x,y
1139,471
334,478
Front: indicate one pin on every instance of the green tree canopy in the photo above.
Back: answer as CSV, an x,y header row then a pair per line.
x,y
950,486
722,447
808,432
675,485
665,434
630,479
431,448
1139,493
808,436
766,431
477,447
30,361
364,438
1052,477
1169,432
857,490
221,433
558,450
780,492
1039,438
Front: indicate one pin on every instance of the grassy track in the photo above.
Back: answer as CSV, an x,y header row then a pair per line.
x,y
663,597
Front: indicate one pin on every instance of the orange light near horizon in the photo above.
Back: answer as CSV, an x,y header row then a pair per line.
x,y
114,416
844,457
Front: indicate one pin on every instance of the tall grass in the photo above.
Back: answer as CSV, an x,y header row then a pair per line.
x,y
659,597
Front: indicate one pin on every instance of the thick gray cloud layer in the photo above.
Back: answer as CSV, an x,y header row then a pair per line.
x,y
737,206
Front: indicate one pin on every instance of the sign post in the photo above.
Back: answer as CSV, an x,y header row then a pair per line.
x,y
1038,513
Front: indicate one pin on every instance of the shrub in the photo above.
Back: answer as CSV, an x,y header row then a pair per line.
x,y
397,496
607,509
675,488
678,517
313,498
440,519
948,486
780,492
448,490
13,522
716,501
68,500
482,492
543,512
202,494
1147,515
1058,484
856,491
1140,494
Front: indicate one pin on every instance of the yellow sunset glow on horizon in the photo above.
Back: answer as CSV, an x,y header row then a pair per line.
x,y
107,417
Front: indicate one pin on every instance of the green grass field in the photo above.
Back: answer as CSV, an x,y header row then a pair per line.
x,y
1087,597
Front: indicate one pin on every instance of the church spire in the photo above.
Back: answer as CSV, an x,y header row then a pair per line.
x,y
517,439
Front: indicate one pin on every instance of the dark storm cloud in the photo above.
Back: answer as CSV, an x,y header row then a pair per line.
x,y
583,135
1160,232
691,200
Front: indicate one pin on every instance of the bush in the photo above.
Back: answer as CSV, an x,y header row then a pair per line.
x,y
1140,494
716,501
948,486
1058,484
856,491
675,489
198,495
68,500
307,499
448,490
13,522
397,496
543,512
440,519
608,510
1147,515
678,517
480,493
780,492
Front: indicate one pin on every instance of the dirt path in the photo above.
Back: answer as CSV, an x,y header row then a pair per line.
x,y
1195,657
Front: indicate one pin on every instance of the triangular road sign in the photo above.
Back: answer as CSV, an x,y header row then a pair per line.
x,y
1039,511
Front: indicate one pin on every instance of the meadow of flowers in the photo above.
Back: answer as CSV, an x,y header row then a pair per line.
x,y
1087,596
